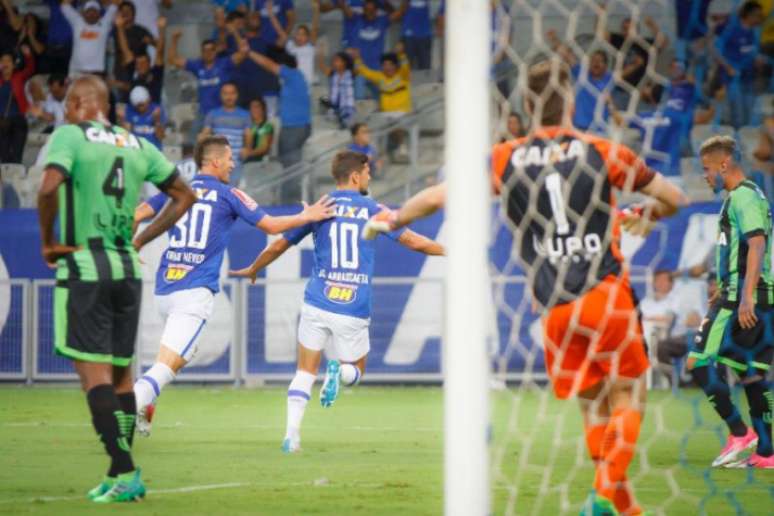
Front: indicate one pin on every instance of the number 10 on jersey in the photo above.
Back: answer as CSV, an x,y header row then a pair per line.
x,y
344,245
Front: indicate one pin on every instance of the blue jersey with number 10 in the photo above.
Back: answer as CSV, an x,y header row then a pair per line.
x,y
198,240
343,262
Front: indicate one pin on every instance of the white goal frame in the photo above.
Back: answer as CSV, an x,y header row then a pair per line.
x,y
466,366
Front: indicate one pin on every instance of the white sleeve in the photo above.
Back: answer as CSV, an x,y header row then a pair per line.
x,y
110,15
72,17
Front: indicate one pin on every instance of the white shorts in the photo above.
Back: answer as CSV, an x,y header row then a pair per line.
x,y
349,334
185,313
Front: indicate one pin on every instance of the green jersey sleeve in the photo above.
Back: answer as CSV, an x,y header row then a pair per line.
x,y
62,148
161,172
750,211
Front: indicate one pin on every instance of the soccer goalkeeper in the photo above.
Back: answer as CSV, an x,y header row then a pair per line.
x,y
557,187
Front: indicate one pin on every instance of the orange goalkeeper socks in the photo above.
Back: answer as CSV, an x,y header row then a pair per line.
x,y
594,437
618,444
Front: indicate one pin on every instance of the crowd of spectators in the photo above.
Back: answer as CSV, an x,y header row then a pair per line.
x,y
721,68
254,75
259,74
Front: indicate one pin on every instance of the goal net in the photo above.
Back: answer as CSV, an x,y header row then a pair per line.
x,y
622,59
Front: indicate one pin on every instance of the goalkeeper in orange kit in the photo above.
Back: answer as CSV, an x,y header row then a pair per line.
x,y
556,186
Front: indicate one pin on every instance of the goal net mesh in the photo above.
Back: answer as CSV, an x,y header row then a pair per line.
x,y
539,459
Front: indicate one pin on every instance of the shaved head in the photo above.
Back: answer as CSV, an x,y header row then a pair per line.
x,y
87,99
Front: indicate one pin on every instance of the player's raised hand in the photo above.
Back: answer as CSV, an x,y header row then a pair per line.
x,y
247,272
635,221
51,253
323,209
382,222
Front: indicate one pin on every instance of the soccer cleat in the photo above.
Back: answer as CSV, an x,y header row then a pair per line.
x,y
102,488
330,388
291,446
734,447
596,505
760,462
144,418
127,488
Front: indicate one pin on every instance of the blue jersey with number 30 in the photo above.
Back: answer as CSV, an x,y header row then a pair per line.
x,y
198,240
343,262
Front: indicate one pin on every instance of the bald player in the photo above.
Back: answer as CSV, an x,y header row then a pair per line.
x,y
93,175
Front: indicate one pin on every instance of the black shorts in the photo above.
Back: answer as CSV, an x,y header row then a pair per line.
x,y
96,321
721,339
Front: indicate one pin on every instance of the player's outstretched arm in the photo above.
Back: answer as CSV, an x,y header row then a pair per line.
x,y
321,210
182,198
425,203
421,243
47,207
271,253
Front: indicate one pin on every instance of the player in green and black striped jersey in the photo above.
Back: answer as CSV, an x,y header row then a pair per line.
x,y
739,328
93,175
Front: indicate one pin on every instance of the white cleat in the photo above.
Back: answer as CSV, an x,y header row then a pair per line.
x,y
144,418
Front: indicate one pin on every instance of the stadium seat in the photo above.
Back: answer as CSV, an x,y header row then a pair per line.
x,y
183,115
699,133
748,140
173,153
37,139
173,138
13,176
322,141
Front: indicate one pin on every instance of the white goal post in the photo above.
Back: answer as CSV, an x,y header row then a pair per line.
x,y
466,366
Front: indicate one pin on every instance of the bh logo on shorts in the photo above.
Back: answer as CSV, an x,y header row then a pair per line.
x,y
340,294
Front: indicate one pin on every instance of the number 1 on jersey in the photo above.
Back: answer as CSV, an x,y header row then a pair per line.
x,y
344,250
554,187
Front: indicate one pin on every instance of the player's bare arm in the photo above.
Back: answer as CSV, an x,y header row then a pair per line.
x,y
47,208
321,210
182,198
756,247
425,203
142,213
271,253
421,243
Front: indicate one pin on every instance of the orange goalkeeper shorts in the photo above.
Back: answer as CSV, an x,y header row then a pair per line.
x,y
595,337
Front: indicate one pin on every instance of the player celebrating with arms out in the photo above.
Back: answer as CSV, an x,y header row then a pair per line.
x,y
738,330
567,236
189,274
94,172
337,301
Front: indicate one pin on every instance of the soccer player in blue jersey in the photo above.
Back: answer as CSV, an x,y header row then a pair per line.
x,y
188,277
337,301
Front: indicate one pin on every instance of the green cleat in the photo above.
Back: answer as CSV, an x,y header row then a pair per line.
x,y
127,488
102,488
596,505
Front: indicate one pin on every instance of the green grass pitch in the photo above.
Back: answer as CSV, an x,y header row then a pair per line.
x,y
377,451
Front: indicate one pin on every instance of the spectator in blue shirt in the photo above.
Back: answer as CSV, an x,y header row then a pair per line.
x,y
210,71
593,86
143,117
230,121
295,112
418,34
361,142
736,51
252,80
59,43
368,37
283,10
